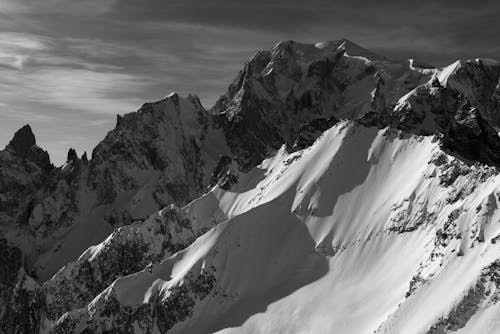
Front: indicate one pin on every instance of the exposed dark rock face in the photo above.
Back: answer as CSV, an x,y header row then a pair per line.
x,y
163,310
10,264
434,109
23,145
479,83
127,250
85,159
472,137
161,154
155,152
279,91
222,174
24,168
22,142
72,156
309,132
21,301
41,202
25,309
156,138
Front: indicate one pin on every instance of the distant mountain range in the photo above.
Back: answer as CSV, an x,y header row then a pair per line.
x,y
329,190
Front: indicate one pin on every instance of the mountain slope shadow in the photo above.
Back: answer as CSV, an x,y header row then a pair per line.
x,y
249,181
262,256
349,168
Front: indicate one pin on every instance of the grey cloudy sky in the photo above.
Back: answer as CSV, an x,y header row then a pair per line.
x,y
68,67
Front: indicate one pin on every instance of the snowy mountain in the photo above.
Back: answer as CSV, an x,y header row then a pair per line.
x,y
329,189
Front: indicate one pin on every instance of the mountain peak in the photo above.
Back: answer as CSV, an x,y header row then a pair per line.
x,y
172,95
72,156
314,50
22,141
351,48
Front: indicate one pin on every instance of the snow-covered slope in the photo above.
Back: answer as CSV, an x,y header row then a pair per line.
x,y
329,190
337,237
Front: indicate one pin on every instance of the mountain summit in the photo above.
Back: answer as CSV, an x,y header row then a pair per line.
x,y
23,140
350,48
329,189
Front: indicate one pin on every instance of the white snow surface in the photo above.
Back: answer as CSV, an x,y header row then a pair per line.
x,y
311,242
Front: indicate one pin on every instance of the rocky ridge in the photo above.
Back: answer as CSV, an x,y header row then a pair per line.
x,y
170,151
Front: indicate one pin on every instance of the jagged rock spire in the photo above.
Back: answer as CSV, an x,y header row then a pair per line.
x,y
72,156
23,140
118,119
84,157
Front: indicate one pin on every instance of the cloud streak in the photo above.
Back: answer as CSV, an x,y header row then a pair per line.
x,y
86,7
16,48
76,89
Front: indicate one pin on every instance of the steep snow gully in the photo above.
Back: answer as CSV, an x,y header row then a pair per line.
x,y
330,190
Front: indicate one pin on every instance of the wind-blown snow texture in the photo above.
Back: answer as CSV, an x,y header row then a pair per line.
x,y
330,190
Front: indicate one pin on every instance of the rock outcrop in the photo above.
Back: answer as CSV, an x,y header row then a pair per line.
x,y
88,229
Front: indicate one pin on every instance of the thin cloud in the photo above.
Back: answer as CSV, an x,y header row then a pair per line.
x,y
76,89
55,6
16,48
9,113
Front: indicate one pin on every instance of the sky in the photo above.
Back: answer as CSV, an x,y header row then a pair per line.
x,y
68,67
